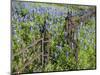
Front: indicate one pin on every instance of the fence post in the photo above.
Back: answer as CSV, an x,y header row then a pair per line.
x,y
70,29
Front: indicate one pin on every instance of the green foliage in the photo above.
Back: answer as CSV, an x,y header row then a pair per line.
x,y
27,31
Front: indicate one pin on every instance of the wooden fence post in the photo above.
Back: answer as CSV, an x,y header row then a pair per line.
x,y
70,29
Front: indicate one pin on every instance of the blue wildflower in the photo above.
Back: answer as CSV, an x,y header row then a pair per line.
x,y
67,54
31,28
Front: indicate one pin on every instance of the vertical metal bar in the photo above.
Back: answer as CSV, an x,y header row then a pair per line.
x,y
42,51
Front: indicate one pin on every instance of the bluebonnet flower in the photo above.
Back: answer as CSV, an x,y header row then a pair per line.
x,y
67,54
31,18
20,19
31,11
26,17
26,5
42,11
61,13
47,25
59,47
31,28
34,9
85,47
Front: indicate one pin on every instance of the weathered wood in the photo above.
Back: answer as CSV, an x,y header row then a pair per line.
x,y
71,25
